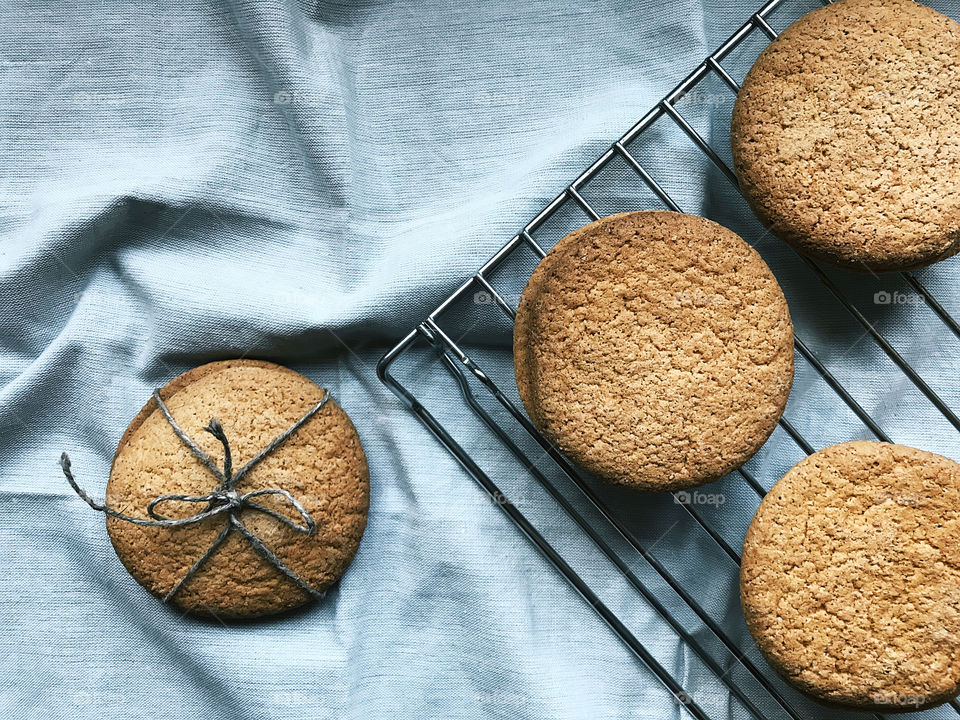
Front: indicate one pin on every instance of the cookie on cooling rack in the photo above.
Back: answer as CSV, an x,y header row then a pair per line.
x,y
322,466
844,135
850,581
654,349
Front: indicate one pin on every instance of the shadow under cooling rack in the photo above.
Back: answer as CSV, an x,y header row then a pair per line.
x,y
726,676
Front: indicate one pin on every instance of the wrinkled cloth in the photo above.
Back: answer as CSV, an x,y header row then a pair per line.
x,y
304,182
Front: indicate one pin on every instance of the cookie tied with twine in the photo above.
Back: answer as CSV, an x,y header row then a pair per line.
x,y
240,490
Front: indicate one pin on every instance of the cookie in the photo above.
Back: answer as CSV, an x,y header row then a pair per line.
x,y
654,349
322,465
843,135
850,580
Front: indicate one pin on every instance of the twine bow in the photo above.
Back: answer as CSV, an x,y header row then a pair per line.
x,y
222,500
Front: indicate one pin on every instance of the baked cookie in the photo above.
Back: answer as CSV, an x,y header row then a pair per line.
x,y
654,349
321,465
844,135
850,581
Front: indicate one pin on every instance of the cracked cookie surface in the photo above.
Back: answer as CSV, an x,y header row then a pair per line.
x,y
654,349
843,135
850,579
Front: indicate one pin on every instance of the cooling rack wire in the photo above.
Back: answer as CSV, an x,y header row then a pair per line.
x,y
757,691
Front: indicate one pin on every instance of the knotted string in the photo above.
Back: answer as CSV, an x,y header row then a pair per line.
x,y
222,500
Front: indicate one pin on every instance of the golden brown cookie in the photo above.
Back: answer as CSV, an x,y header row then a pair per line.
x,y
322,465
850,580
844,135
654,349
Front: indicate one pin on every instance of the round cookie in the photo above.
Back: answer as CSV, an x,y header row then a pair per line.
x,y
322,465
850,581
843,135
654,349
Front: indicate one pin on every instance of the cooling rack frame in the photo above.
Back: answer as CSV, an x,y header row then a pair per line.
x,y
461,367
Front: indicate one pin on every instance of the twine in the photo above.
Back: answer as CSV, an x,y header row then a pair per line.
x,y
222,500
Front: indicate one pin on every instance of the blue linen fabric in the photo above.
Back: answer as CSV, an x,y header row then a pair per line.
x,y
303,182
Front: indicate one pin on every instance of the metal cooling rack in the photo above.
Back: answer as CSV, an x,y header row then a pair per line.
x,y
758,691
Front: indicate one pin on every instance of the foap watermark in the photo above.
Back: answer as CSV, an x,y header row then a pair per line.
x,y
504,699
884,297
899,498
295,97
297,298
697,298
899,700
498,98
98,97
945,635
290,698
695,497
482,297
83,697
705,98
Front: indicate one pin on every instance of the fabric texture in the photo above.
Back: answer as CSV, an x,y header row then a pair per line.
x,y
303,183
